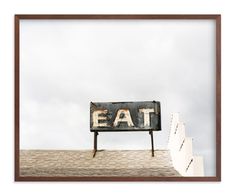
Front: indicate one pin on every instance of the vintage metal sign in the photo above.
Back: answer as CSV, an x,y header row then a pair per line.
x,y
125,116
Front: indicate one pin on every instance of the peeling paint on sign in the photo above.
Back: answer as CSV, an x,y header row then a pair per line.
x,y
125,116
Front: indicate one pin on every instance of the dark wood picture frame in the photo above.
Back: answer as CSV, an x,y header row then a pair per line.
x,y
216,18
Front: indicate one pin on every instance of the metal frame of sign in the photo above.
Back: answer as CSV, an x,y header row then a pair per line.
x,y
110,110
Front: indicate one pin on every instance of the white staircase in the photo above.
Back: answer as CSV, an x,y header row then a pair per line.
x,y
181,150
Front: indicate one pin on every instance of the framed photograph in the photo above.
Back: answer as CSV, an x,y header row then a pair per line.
x,y
117,98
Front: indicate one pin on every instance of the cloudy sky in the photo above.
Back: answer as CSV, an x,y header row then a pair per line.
x,y
66,64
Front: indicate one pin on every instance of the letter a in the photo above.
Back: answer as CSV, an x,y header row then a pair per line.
x,y
123,115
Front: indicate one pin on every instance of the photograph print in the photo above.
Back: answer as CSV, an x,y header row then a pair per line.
x,y
117,98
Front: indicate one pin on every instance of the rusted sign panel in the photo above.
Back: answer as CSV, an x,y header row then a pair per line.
x,y
125,116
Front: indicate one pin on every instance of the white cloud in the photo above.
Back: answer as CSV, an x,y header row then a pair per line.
x,y
66,64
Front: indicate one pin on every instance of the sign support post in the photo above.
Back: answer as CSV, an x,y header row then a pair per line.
x,y
152,144
95,142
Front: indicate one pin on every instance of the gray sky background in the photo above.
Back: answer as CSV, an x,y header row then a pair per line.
x,y
66,64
